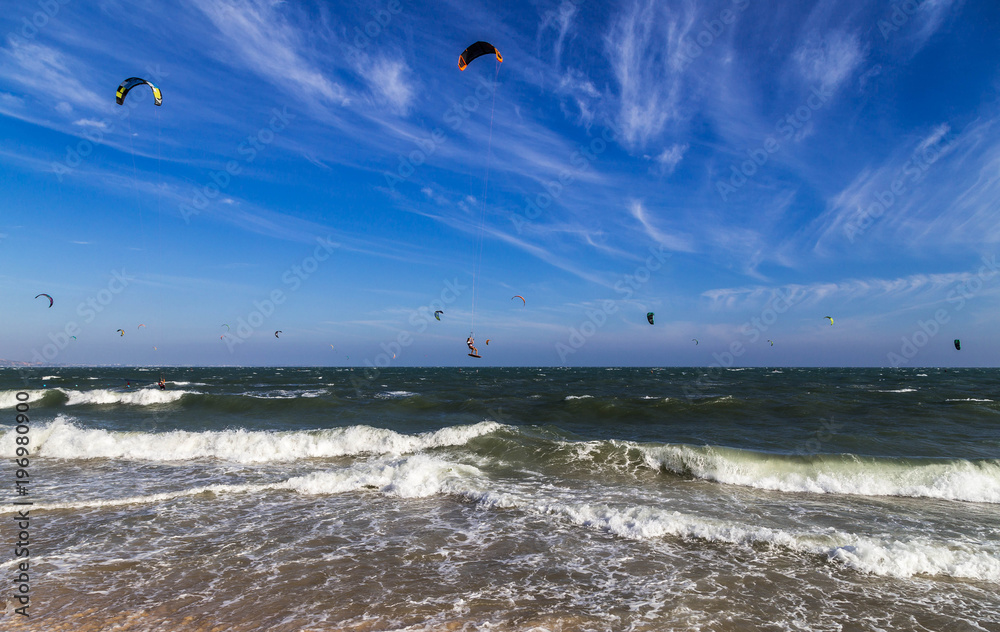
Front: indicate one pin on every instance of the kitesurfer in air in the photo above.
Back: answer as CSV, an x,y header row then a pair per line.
x,y
472,347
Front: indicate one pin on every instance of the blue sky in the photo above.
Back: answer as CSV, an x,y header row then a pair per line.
x,y
740,168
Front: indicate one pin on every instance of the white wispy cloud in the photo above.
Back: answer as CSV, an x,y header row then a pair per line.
x,y
41,69
939,190
920,25
263,40
578,87
91,123
640,46
918,285
389,80
669,158
678,242
829,59
559,19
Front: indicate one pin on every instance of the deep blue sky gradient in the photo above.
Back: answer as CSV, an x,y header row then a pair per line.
x,y
740,168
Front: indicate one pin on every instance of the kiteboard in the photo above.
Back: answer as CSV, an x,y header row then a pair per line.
x,y
475,356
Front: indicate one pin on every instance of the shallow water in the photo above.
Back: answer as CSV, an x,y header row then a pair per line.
x,y
510,499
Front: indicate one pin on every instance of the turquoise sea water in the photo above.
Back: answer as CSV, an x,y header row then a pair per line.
x,y
510,499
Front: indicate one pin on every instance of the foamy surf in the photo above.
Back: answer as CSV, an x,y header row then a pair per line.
x,y
63,439
8,399
946,479
137,397
288,394
150,498
415,476
878,556
635,519
394,395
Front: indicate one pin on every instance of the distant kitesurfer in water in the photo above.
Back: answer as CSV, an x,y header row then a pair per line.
x,y
472,347
163,385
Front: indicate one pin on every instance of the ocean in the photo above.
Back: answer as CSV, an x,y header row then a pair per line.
x,y
501,499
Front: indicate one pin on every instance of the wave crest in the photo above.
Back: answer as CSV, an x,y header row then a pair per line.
x,y
64,440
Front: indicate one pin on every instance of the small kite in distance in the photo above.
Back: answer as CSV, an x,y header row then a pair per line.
x,y
830,318
772,342
46,296
649,317
523,302
695,341
277,332
437,314
141,325
958,344
121,332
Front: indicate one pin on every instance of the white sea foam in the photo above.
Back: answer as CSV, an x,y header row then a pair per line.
x,y
152,498
424,475
394,394
137,397
918,556
968,399
415,476
890,557
8,399
65,440
287,394
571,397
51,377
898,390
955,479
